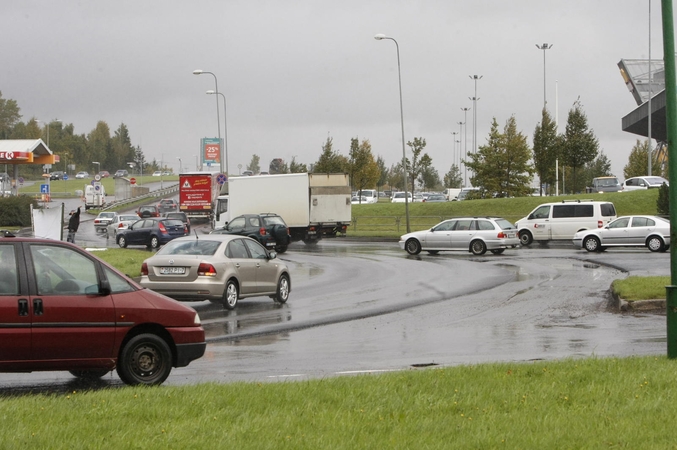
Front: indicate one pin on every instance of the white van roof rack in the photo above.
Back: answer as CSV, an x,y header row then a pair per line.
x,y
578,200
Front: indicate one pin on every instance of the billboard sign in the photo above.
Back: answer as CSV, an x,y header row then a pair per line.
x,y
211,151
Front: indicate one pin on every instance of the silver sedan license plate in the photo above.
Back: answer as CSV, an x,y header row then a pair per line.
x,y
511,235
172,270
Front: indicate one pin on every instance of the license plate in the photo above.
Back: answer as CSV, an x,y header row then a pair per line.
x,y
172,270
511,235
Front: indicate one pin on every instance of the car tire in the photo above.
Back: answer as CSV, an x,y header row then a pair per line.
x,y
655,244
122,242
525,237
231,295
281,248
89,374
591,244
154,242
145,359
282,294
497,251
478,247
412,246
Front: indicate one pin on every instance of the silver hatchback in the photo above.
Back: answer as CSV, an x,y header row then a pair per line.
x,y
218,268
473,234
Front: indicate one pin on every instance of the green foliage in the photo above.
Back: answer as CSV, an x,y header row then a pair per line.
x,y
254,164
638,161
453,178
295,167
363,169
331,161
383,172
579,145
15,211
419,163
277,165
569,404
545,149
663,201
600,167
641,288
501,167
9,116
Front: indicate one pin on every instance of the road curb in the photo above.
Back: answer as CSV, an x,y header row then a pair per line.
x,y
636,305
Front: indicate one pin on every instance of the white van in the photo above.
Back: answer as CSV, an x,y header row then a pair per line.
x,y
95,196
370,194
557,221
452,193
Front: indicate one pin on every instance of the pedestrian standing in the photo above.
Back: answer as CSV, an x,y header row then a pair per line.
x,y
73,224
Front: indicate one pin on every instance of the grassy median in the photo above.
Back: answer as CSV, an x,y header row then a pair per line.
x,y
590,403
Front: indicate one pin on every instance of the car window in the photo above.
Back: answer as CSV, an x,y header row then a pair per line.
x,y
236,249
62,270
620,223
465,224
273,220
193,247
542,212
254,222
117,283
607,209
446,226
505,224
643,222
485,225
9,283
257,251
236,223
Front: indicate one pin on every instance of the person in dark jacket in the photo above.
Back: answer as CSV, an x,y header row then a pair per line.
x,y
73,224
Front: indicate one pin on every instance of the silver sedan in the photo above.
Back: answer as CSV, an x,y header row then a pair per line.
x,y
218,268
627,231
120,222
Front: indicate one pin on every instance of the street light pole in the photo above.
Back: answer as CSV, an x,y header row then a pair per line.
x,y
460,136
465,150
380,37
180,166
218,118
545,47
225,128
453,159
474,113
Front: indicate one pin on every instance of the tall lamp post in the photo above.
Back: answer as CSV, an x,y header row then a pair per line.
x,y
545,47
225,128
460,136
180,166
474,113
380,37
465,144
218,118
453,159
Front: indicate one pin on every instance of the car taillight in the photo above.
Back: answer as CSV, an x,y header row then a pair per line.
x,y
600,224
262,231
157,214
144,269
501,235
206,270
185,229
121,225
162,228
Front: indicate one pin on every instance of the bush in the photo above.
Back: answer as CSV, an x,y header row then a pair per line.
x,y
16,211
663,201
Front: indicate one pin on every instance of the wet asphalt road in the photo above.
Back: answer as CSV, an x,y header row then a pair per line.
x,y
361,307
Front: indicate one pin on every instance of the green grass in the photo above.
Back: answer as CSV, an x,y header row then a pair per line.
x,y
641,288
382,219
126,260
61,188
590,403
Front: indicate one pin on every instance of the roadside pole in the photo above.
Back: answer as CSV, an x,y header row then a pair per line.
x,y
671,116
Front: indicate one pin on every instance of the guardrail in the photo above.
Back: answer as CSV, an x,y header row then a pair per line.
x,y
153,194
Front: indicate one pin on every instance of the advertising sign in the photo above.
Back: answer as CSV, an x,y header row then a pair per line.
x,y
211,150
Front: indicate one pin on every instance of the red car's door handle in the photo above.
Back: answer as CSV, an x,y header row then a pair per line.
x,y
37,307
23,307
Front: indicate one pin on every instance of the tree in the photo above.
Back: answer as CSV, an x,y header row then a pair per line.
x,y
122,150
638,161
254,164
501,167
453,178
295,167
384,172
363,169
579,144
429,178
600,167
330,161
663,201
99,145
545,149
418,163
9,116
277,165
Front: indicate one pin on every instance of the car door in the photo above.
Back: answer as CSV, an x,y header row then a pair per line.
x,y
463,234
15,311
70,321
245,266
139,233
616,233
237,225
539,223
439,237
266,271
639,229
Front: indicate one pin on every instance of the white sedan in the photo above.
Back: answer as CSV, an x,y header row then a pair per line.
x,y
627,231
120,222
636,183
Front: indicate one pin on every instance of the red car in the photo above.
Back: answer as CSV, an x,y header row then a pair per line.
x,y
61,308
148,211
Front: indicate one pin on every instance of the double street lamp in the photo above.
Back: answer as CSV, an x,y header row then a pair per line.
x,y
218,118
380,37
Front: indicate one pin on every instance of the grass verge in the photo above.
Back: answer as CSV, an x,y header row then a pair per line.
x,y
591,403
641,288
126,260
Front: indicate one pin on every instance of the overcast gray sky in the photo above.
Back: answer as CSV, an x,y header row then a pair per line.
x,y
297,71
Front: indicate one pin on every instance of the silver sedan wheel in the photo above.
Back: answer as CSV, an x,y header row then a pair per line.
x,y
655,244
230,295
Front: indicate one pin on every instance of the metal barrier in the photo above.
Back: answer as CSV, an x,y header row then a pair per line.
x,y
154,194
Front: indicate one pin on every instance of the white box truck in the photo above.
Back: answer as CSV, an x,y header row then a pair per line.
x,y
314,205
95,196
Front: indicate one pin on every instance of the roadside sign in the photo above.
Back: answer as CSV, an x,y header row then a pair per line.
x,y
97,187
221,179
97,177
21,180
65,177
132,180
44,188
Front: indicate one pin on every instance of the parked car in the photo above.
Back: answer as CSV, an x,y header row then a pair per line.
x,y
82,175
467,193
121,174
398,197
152,232
219,268
651,232
560,221
604,184
66,310
57,175
104,174
636,183
355,200
180,216
157,173
472,234
102,220
167,205
269,229
434,198
148,211
4,177
120,222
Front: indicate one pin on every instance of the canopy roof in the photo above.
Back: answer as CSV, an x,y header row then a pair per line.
x,y
26,151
